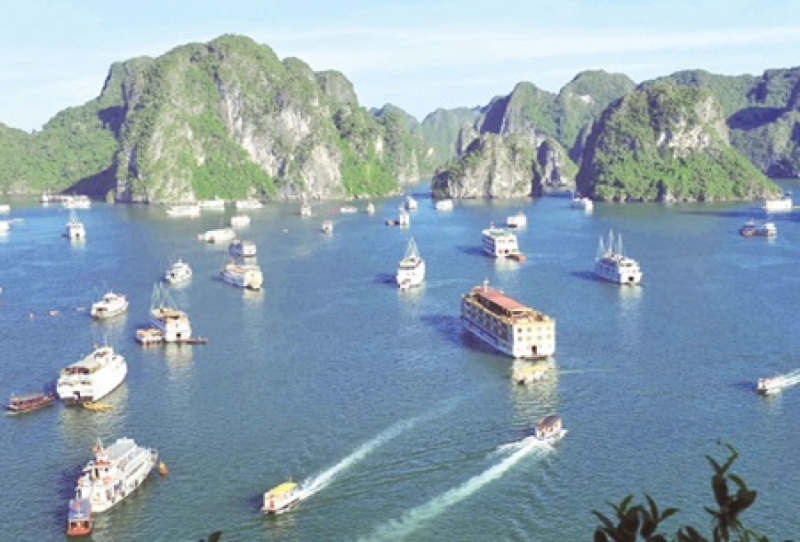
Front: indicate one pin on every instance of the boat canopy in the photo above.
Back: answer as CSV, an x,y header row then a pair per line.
x,y
79,509
285,487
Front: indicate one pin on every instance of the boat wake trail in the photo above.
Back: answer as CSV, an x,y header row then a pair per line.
x,y
414,518
321,480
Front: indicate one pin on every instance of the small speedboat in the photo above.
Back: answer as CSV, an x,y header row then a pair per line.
x,y
549,429
280,498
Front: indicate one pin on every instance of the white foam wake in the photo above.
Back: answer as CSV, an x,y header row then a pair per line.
x,y
416,517
321,480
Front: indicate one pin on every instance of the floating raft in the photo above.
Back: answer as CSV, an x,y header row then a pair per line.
x,y
150,336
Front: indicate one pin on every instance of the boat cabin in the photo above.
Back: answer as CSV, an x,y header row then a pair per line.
x,y
79,518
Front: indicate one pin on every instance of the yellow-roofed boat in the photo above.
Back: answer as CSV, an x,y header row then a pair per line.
x,y
281,497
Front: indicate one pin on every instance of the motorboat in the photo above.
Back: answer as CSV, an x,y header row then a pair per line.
x,y
751,228
411,204
443,205
240,221
178,273
327,226
111,304
582,203
280,498
75,230
549,429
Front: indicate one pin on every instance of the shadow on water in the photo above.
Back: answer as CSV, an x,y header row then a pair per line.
x,y
584,275
472,250
745,213
446,325
384,278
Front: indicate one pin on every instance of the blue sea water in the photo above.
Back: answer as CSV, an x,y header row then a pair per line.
x,y
398,425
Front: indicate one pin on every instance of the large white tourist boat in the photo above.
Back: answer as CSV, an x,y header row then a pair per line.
x,y
78,201
249,204
779,205
612,265
172,323
93,377
111,304
411,270
184,211
500,242
248,276
115,472
506,324
443,205
178,273
766,228
222,235
549,429
75,230
240,221
280,498
518,220
242,248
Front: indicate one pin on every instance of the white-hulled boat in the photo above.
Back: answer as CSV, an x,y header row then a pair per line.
x,y
403,218
93,377
216,204
280,498
582,203
75,230
249,204
178,273
5,225
327,226
751,228
222,235
612,265
549,429
411,204
526,374
184,211
305,210
499,242
518,220
242,248
172,323
444,205
5,208
240,221
110,305
248,276
348,209
506,324
775,384
115,472
779,205
411,270
370,208
79,201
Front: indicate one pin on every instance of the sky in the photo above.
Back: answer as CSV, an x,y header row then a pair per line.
x,y
419,55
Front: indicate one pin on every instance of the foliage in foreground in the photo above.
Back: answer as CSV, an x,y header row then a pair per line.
x,y
641,523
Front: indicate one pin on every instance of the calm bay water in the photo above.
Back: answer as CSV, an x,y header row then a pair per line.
x,y
399,426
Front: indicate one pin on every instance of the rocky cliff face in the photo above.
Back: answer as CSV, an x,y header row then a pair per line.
x,y
229,118
665,143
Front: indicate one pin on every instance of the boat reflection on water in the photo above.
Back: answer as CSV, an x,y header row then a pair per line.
x,y
280,526
253,297
76,421
535,399
179,359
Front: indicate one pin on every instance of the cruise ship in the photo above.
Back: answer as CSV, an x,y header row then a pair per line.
x,y
411,270
612,265
248,276
500,242
173,323
507,325
110,305
115,472
93,377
